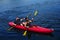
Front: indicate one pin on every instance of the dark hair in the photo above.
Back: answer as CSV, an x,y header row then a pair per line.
x,y
26,18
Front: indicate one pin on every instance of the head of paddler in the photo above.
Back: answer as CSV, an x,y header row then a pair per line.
x,y
26,18
17,18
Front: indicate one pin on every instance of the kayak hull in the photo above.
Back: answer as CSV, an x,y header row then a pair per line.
x,y
33,28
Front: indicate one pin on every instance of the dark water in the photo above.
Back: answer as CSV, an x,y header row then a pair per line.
x,y
48,16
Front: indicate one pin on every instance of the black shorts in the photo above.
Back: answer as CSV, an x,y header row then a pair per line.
x,y
28,25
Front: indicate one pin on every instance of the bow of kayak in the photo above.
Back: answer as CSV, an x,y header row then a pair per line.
x,y
33,28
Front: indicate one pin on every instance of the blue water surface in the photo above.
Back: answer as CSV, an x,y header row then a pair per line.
x,y
48,16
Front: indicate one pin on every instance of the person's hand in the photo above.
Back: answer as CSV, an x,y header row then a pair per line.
x,y
23,18
32,18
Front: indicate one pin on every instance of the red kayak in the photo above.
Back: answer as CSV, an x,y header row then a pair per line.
x,y
33,28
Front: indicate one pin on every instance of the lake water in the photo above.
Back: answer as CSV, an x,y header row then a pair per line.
x,y
48,16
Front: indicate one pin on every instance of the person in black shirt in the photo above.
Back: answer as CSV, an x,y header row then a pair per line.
x,y
18,21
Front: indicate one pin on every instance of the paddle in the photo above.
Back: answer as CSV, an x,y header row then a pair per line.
x,y
35,14
29,14
10,28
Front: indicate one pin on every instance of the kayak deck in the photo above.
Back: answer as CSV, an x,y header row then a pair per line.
x,y
33,28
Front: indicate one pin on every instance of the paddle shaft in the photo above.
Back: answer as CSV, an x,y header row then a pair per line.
x,y
35,14
10,28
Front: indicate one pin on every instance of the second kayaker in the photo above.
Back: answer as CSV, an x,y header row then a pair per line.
x,y
27,22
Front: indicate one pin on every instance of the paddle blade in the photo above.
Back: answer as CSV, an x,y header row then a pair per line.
x,y
36,12
24,34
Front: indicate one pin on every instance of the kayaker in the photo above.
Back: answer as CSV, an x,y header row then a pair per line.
x,y
27,22
18,21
